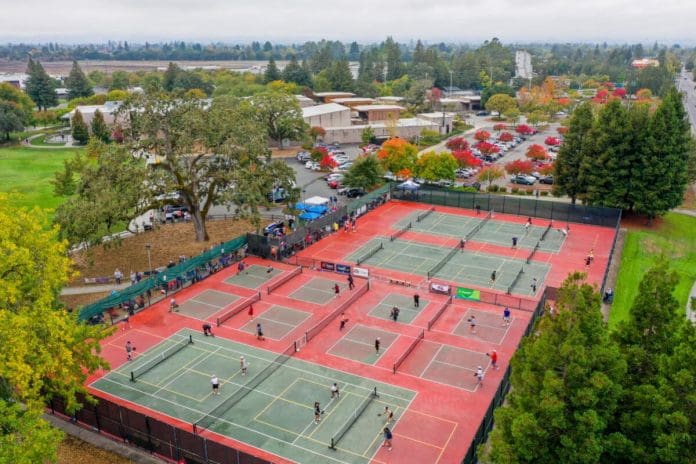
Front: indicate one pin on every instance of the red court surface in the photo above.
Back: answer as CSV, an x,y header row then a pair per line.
x,y
440,423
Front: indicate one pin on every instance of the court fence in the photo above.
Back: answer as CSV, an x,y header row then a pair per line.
x,y
167,281
159,438
486,424
520,206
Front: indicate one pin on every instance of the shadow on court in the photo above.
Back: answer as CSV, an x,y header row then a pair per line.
x,y
277,322
319,291
488,327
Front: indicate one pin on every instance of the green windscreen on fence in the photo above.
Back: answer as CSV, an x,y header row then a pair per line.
x,y
182,270
367,198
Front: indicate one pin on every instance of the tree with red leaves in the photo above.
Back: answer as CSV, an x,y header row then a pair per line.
x,y
524,129
552,141
563,130
486,148
620,93
327,162
546,169
506,137
537,152
316,131
519,167
466,159
500,126
482,135
457,144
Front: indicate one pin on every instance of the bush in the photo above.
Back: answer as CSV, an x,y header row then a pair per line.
x,y
514,190
544,193
529,192
492,188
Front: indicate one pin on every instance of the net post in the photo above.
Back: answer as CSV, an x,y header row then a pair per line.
x,y
190,339
295,345
195,429
132,377
332,445
374,393
217,321
394,369
268,290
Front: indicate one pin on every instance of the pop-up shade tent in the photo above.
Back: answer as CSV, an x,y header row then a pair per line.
x,y
306,216
316,201
408,185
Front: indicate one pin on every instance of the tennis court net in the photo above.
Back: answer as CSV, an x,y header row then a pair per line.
x,y
442,262
280,282
209,419
515,280
533,252
548,228
160,358
439,312
400,232
314,331
410,349
478,227
369,254
238,309
353,417
424,215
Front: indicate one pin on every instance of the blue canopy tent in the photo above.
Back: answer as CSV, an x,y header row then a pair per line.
x,y
317,209
307,216
301,206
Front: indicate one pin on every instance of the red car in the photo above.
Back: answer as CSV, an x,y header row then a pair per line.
x,y
334,184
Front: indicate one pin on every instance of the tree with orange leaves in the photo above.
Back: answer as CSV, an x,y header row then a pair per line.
x,y
398,156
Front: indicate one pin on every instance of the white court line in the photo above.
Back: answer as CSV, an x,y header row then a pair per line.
x,y
194,300
431,361
178,373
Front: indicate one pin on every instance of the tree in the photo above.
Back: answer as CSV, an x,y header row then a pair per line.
x,y
536,117
11,118
64,183
39,86
562,130
281,114
457,144
293,72
519,167
572,154
657,421
537,152
552,141
666,151
50,359
170,76
365,173
80,131
340,77
315,132
500,103
398,156
499,126
327,162
272,73
566,386
393,59
506,137
482,135
367,135
119,80
77,83
435,166
490,174
99,128
466,159
486,148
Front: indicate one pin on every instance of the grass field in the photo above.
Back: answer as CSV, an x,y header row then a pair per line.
x,y
28,171
675,237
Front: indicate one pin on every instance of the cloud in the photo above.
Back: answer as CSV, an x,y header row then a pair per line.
x,y
361,20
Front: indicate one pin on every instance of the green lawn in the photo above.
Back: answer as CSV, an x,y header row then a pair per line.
x,y
41,141
676,239
28,171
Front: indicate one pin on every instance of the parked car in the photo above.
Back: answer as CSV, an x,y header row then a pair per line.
x,y
313,165
340,159
174,212
523,179
355,193
444,183
334,176
345,166
335,183
303,156
546,180
482,113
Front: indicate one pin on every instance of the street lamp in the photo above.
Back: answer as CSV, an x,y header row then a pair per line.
x,y
148,247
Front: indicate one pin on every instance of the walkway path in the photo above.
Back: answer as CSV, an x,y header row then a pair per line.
x,y
82,290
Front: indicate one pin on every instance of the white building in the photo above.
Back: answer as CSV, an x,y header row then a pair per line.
x,y
108,110
523,64
327,115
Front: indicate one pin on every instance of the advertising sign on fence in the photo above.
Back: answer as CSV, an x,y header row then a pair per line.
x,y
440,288
468,294
343,269
327,266
361,272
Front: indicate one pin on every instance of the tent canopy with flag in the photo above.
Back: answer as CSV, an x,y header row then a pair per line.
x,y
408,185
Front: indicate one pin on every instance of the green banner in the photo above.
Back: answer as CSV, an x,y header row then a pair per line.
x,y
468,294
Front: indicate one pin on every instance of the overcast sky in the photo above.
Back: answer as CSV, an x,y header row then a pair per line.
x,y
666,21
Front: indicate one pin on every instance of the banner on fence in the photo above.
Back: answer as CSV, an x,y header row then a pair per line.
x,y
361,272
440,288
468,294
327,266
343,269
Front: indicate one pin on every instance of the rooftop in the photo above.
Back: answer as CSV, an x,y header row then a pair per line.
x,y
378,108
334,94
352,100
323,109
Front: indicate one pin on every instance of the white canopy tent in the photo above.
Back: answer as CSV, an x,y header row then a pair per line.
x,y
316,201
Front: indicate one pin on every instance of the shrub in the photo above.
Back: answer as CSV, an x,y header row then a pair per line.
x,y
514,190
544,193
529,192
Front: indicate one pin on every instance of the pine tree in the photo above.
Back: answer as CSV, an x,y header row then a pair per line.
x,y
657,419
297,74
99,128
663,173
567,180
354,51
393,57
608,167
40,86
340,76
77,83
170,76
272,73
80,132
565,386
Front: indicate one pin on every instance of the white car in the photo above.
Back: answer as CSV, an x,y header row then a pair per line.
x,y
340,159
313,165
345,166
334,176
